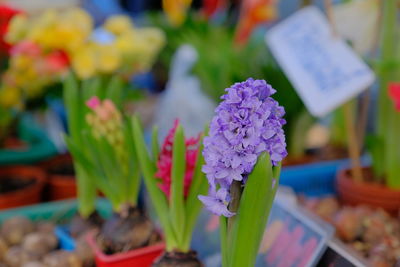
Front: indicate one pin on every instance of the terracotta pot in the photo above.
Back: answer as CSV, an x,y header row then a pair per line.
x,y
59,186
28,195
367,193
143,257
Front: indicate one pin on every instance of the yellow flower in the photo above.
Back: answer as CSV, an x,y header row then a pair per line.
x,y
176,10
118,24
66,30
17,29
10,97
84,62
108,58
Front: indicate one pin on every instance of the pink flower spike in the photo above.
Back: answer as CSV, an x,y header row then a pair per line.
x,y
93,102
109,106
394,93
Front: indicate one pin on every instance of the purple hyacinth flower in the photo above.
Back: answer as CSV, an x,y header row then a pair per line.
x,y
247,123
216,202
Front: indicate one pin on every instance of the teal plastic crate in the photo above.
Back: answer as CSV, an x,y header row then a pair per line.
x,y
39,146
59,212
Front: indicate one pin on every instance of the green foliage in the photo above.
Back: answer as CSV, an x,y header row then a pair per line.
x,y
177,215
386,151
95,160
241,240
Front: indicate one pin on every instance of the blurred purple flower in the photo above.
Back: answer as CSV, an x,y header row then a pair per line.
x,y
248,122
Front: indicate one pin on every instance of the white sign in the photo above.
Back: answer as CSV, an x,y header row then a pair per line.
x,y
323,69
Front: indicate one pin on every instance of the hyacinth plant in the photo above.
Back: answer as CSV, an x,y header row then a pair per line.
x,y
109,156
243,155
76,94
173,179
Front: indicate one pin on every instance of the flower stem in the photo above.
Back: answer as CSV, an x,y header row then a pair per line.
x,y
236,192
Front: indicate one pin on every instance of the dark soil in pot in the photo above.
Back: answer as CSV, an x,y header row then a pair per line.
x,y
13,183
65,169
20,185
61,183
128,230
178,259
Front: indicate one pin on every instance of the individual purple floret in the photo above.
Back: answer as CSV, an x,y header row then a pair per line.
x,y
247,122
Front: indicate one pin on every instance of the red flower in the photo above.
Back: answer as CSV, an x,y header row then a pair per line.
x,y
164,163
253,13
394,93
6,14
210,7
56,61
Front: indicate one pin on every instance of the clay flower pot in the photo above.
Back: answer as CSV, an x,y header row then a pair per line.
x,y
143,257
61,183
22,185
366,193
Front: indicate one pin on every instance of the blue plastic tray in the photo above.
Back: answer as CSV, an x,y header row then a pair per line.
x,y
314,179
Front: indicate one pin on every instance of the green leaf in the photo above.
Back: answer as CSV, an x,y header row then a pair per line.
x,y
158,198
133,168
114,90
72,104
86,186
252,216
176,203
193,205
154,143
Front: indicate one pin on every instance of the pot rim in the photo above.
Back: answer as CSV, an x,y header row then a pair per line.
x,y
345,181
121,256
24,172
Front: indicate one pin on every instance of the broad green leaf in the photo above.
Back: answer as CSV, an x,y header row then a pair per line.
x,y
193,205
158,198
252,216
176,202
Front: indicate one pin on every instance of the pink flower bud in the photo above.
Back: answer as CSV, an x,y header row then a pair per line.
x,y
93,102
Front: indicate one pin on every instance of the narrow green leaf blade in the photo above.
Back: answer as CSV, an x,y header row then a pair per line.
x,y
176,203
193,205
154,143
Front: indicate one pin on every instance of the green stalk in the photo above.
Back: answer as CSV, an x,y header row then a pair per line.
x,y
393,152
387,120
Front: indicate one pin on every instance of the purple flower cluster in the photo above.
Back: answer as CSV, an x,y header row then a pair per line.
x,y
248,122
